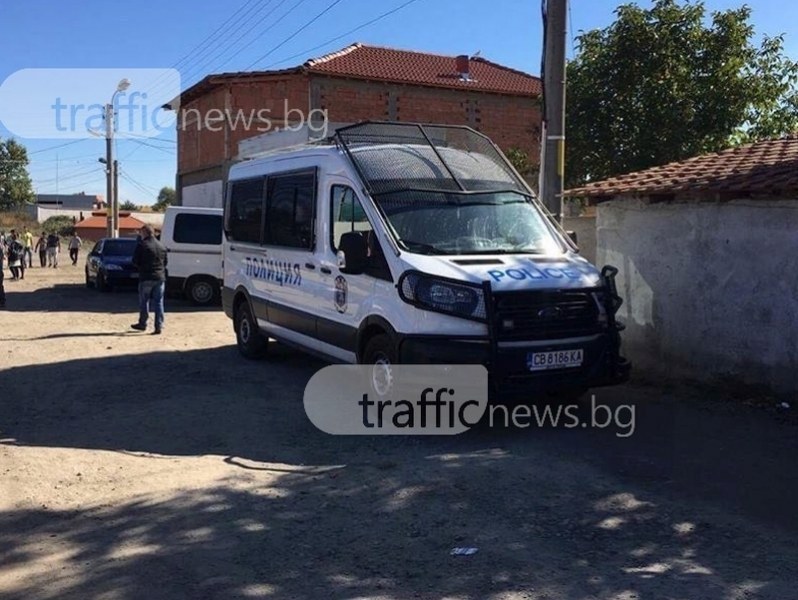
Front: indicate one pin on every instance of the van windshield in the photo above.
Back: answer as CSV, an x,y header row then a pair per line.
x,y
453,223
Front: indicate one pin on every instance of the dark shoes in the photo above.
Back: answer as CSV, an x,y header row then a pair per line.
x,y
138,327
156,332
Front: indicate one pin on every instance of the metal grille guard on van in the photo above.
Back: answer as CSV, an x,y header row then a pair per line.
x,y
540,317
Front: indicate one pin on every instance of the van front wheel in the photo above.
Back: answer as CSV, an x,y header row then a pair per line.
x,y
380,353
251,342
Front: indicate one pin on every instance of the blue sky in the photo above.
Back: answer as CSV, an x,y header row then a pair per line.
x,y
150,34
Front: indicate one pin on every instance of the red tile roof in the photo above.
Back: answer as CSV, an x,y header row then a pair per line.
x,y
769,167
403,66
373,63
100,221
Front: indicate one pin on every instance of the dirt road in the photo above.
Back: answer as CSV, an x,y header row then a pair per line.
x,y
136,466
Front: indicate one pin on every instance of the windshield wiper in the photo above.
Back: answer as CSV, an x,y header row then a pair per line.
x,y
428,248
502,251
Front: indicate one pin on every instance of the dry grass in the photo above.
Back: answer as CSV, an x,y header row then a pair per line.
x,y
17,220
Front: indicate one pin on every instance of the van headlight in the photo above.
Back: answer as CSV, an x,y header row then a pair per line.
x,y
443,295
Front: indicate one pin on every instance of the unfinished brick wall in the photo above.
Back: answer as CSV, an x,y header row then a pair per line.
x,y
510,121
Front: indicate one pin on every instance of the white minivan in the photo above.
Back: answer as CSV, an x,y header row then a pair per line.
x,y
193,239
399,243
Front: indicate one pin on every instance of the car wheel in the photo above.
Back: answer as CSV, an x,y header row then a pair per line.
x,y
380,353
252,344
102,282
202,291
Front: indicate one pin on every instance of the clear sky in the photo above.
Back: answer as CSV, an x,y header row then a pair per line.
x,y
266,33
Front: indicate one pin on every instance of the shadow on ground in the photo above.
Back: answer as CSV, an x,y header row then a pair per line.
x,y
568,514
76,297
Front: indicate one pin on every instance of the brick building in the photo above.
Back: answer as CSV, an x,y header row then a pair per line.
x,y
354,84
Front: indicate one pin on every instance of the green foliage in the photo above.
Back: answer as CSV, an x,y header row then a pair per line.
x,y
60,224
520,160
166,197
128,205
660,85
15,183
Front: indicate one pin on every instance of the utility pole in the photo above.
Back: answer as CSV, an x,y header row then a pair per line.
x,y
116,198
553,142
109,168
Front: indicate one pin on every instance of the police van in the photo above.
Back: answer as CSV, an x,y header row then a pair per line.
x,y
400,243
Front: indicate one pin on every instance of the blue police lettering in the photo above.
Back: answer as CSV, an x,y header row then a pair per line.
x,y
535,274
281,272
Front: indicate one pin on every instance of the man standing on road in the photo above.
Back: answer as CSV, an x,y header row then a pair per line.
x,y
53,248
41,248
74,247
150,259
27,241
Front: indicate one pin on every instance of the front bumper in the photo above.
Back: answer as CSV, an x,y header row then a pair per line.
x,y
507,362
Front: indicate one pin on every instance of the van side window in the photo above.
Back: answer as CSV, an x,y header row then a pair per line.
x,y
347,216
245,217
198,229
289,219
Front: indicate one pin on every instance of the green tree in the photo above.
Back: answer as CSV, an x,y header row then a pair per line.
x,y
166,197
128,205
15,183
662,85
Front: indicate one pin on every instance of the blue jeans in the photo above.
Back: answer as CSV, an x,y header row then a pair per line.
x,y
151,296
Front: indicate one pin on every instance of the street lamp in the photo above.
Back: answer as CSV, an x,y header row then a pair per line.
x,y
110,163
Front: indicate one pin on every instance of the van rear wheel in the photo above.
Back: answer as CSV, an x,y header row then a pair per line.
x,y
251,342
202,291
380,353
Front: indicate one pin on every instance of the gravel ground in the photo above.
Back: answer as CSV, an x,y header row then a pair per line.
x,y
135,466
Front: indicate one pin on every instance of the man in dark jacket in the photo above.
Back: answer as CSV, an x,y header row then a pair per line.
x,y
150,259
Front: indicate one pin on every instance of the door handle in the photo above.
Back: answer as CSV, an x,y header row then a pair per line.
x,y
326,270
310,265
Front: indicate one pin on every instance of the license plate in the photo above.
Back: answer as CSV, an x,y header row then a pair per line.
x,y
557,359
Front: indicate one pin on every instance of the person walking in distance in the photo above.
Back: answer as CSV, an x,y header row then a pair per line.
x,y
15,253
27,242
151,260
41,248
53,248
74,247
2,274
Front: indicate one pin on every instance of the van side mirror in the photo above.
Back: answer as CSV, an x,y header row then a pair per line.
x,y
572,235
352,253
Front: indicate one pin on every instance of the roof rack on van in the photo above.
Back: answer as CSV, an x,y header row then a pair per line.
x,y
393,157
294,137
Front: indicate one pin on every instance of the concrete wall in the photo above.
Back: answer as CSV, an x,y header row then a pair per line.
x,y
205,195
710,289
585,228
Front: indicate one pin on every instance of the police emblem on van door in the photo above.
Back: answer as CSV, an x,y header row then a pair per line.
x,y
341,292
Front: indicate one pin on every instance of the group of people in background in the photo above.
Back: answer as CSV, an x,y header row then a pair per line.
x,y
18,250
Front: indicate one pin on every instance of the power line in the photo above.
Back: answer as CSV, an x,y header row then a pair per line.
x,y
343,35
270,27
297,32
200,59
58,146
170,151
198,50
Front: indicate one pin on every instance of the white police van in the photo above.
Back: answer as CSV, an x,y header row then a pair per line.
x,y
393,243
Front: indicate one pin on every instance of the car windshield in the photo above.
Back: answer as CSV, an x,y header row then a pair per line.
x,y
119,247
453,223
